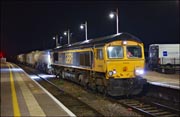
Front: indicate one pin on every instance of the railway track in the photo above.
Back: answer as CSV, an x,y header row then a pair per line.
x,y
149,108
78,107
141,105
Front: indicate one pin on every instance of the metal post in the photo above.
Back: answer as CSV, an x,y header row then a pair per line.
x,y
86,29
56,40
68,34
117,21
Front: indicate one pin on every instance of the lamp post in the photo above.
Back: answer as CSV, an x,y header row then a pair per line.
x,y
68,35
60,41
111,15
82,26
56,39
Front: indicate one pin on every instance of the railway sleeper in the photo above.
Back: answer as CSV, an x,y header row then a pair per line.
x,y
144,107
147,108
150,109
171,115
154,111
136,105
163,113
131,102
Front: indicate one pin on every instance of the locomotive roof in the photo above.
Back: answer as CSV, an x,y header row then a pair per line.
x,y
99,41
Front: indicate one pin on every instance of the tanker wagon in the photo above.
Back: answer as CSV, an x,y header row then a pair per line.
x,y
164,58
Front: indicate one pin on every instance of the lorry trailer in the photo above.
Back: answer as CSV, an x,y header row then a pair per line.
x,y
164,57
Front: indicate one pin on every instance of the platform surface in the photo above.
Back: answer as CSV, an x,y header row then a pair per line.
x,y
167,80
22,96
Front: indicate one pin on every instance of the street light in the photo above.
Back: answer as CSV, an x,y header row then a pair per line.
x,y
56,39
111,15
68,35
60,41
82,27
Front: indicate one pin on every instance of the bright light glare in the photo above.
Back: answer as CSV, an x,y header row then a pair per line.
x,y
49,60
54,38
165,85
34,77
12,69
65,33
111,15
139,72
46,76
124,42
86,41
41,75
110,49
114,72
82,27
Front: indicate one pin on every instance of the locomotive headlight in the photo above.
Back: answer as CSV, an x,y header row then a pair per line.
x,y
114,71
139,71
110,73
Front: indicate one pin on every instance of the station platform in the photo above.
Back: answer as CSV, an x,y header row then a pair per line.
x,y
22,96
161,79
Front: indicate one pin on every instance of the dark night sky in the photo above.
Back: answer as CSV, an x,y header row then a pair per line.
x,y
27,26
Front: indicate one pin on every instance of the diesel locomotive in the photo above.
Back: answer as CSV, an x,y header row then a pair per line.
x,y
111,64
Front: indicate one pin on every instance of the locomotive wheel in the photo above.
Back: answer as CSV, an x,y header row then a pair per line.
x,y
102,89
105,91
83,80
56,75
163,70
60,74
92,86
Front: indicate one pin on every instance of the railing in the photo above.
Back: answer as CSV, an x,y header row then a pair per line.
x,y
172,61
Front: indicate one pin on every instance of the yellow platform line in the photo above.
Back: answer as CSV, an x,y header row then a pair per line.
x,y
14,97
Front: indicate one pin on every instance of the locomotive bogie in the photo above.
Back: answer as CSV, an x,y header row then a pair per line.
x,y
121,87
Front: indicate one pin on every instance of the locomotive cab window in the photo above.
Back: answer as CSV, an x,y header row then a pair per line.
x,y
115,52
100,54
134,52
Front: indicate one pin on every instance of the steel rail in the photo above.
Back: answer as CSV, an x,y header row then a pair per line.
x,y
78,107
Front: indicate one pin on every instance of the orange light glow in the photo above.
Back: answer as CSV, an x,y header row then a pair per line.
x,y
124,68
